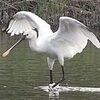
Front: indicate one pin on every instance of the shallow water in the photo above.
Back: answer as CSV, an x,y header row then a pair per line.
x,y
23,70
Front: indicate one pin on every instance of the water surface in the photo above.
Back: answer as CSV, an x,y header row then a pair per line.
x,y
23,70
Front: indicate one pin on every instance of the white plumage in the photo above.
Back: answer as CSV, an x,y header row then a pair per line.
x,y
71,38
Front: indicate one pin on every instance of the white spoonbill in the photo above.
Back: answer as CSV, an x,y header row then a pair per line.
x,y
70,38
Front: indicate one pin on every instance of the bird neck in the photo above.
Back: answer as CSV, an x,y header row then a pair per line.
x,y
33,44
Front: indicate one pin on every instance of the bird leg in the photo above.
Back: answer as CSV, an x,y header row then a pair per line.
x,y
63,78
51,77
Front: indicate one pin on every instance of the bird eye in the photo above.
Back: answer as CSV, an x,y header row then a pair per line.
x,y
26,34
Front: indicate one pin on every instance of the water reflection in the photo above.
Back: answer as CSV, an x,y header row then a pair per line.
x,y
53,93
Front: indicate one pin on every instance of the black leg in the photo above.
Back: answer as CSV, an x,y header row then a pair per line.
x,y
63,78
51,77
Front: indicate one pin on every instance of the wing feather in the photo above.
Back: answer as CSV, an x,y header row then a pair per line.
x,y
71,37
24,21
10,24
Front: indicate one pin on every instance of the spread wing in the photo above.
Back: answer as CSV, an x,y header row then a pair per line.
x,y
72,36
24,21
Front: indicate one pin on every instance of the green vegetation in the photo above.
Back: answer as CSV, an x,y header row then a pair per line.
x,y
86,11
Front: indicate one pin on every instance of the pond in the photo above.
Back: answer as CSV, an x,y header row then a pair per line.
x,y
23,70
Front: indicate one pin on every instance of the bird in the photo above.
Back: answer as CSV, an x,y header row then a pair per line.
x,y
70,39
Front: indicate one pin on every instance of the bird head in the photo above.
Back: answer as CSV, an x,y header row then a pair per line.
x,y
31,34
